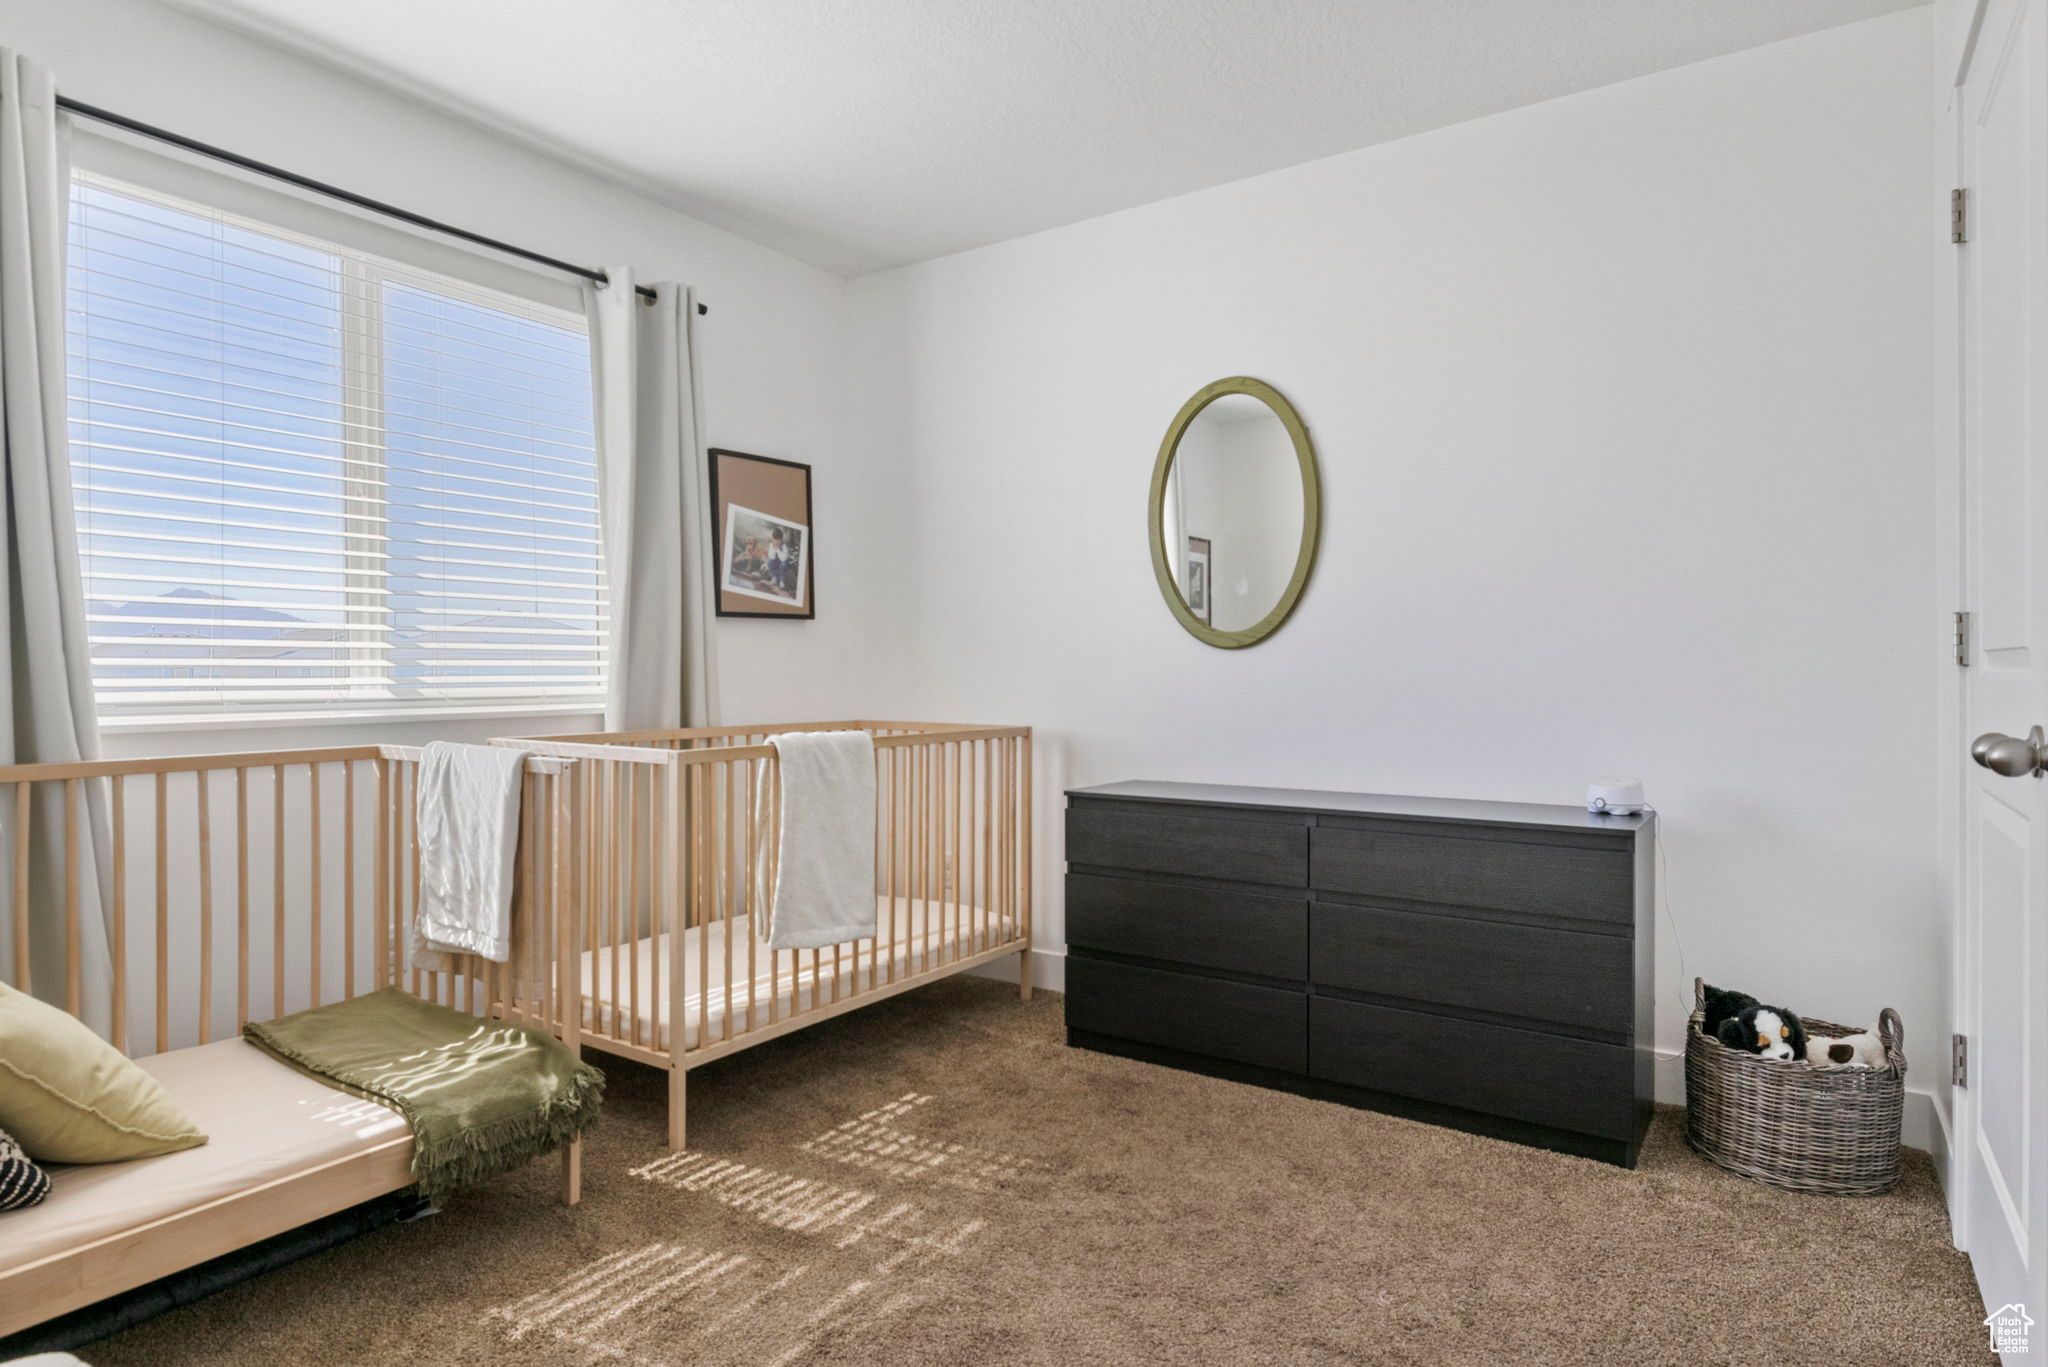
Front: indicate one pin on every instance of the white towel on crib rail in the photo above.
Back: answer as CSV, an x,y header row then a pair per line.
x,y
821,884
467,810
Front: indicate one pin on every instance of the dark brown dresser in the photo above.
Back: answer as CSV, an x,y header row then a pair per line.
x,y
1484,965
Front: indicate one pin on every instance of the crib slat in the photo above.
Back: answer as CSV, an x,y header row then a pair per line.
x,y
380,885
895,841
313,869
604,905
1009,829
411,815
949,868
583,792
545,932
700,885
241,898
407,818
986,763
875,945
277,889
163,912
970,791
22,974
74,959
204,781
674,881
918,855
590,870
956,870
750,895
120,945
1003,790
1010,839
348,879
913,855
562,980
657,903
934,852
627,785
730,831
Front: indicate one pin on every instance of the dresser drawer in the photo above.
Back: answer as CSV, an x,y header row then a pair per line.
x,y
1545,1079
1579,882
1571,977
1192,846
1266,1026
1237,931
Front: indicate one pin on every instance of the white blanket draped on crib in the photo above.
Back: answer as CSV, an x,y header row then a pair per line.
x,y
819,884
467,809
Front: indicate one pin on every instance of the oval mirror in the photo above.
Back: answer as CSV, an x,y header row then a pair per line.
x,y
1236,509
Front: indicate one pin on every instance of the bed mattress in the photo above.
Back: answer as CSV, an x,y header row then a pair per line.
x,y
263,1121
925,936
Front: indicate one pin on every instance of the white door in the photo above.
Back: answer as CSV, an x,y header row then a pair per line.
x,y
2001,1114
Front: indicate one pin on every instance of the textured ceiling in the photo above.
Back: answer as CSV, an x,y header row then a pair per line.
x,y
859,134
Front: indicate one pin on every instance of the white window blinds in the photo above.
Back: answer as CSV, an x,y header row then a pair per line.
x,y
309,479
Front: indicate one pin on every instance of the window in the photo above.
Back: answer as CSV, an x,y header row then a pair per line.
x,y
310,479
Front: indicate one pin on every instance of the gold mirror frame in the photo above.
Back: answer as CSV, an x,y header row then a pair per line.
x,y
1311,513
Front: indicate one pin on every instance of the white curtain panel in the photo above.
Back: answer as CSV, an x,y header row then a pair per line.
x,y
46,673
654,503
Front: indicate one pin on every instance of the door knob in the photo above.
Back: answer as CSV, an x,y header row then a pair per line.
x,y
2011,756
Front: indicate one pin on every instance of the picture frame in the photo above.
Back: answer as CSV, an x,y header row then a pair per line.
x,y
762,540
1199,592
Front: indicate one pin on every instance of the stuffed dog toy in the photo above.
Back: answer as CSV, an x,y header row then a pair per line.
x,y
1740,1021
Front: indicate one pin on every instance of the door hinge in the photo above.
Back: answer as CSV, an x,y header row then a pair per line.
x,y
1963,639
1959,215
1959,1060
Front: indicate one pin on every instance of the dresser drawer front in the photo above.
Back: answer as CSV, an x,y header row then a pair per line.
x,y
1497,1070
1236,931
1266,1026
1569,977
1190,845
1500,875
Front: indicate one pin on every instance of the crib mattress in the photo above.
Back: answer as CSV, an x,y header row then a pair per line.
x,y
263,1120
925,936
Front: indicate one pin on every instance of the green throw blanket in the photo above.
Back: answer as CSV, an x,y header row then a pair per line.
x,y
482,1096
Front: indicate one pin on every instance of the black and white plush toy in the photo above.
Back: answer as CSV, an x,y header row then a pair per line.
x,y
1739,1021
1863,1050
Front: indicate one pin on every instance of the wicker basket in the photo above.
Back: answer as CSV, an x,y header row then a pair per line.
x,y
1830,1131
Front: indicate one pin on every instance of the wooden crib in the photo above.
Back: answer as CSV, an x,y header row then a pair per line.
x,y
671,971
238,888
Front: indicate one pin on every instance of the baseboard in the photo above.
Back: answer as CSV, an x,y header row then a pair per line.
x,y
1048,969
1924,1125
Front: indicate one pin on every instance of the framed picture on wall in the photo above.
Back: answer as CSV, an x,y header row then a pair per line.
x,y
1196,579
761,535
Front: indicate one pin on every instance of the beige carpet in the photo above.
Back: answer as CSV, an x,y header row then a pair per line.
x,y
937,1179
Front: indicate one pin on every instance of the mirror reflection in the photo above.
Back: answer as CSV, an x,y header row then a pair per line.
x,y
1234,510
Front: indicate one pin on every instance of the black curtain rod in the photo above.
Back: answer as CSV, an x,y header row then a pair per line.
x,y
375,206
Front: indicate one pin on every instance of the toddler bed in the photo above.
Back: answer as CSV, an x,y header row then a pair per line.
x,y
659,864
217,918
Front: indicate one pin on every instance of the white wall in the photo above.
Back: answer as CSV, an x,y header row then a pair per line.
x,y
1623,405
772,347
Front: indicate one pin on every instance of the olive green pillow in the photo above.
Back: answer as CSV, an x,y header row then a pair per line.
x,y
71,1097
